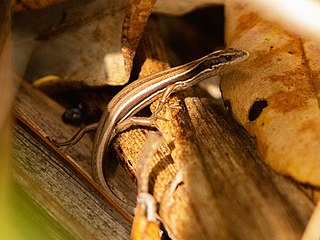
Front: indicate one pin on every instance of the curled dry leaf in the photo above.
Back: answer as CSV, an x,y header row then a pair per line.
x,y
275,94
18,5
79,46
137,14
182,6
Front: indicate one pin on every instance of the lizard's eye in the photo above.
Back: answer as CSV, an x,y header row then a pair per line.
x,y
228,57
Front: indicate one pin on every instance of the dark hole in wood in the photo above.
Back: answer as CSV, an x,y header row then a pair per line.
x,y
256,109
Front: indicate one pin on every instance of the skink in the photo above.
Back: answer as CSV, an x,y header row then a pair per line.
x,y
118,114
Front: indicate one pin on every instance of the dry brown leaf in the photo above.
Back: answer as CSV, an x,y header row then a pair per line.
x,y
19,5
182,6
275,94
137,14
81,45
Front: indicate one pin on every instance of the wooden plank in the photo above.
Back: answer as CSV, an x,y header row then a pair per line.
x,y
63,185
226,192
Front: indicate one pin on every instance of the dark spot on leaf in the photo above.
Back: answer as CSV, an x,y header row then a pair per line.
x,y
256,109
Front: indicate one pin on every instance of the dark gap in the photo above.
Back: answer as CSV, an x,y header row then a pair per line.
x,y
195,34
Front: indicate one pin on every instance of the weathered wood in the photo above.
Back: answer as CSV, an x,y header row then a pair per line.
x,y
60,183
43,115
63,192
226,192
249,200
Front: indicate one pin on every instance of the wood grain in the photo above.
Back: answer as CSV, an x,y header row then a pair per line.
x,y
247,199
61,182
